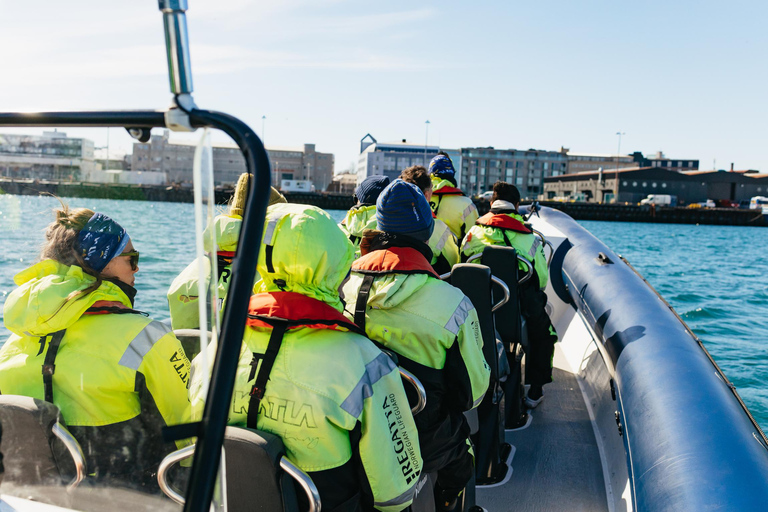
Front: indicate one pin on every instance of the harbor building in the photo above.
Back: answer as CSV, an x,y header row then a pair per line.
x,y
581,162
50,156
343,184
633,184
176,160
391,158
526,169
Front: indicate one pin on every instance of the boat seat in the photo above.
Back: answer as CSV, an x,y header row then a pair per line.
x,y
488,436
258,476
37,448
503,262
190,341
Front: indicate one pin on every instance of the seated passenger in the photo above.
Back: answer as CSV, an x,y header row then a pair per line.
x,y
333,397
183,293
443,243
117,376
503,225
397,297
448,201
362,216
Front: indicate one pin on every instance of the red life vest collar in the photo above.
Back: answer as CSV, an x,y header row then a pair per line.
x,y
226,254
394,260
104,307
448,191
297,310
503,221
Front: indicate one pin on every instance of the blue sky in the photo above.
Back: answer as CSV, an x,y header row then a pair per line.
x,y
685,77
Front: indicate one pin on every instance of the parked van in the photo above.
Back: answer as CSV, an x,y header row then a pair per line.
x,y
296,186
660,199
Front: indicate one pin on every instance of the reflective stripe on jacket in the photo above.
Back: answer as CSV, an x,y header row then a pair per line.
x,y
509,230
452,207
328,386
443,244
118,379
434,329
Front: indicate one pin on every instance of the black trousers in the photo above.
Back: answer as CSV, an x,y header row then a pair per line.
x,y
541,337
453,478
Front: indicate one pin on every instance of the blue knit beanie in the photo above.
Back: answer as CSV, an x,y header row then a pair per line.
x,y
403,209
442,166
369,189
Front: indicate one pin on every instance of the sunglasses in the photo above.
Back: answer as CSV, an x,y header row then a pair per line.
x,y
134,258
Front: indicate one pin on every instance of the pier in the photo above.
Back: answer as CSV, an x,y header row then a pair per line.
x,y
327,201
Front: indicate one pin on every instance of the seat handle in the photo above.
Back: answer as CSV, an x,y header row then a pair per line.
x,y
306,483
162,471
418,386
545,242
528,264
293,471
73,447
505,289
469,260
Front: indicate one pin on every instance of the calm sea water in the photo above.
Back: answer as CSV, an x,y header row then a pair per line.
x,y
713,276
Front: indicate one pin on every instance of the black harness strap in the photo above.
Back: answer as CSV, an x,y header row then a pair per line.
x,y
362,301
268,257
49,368
267,361
506,238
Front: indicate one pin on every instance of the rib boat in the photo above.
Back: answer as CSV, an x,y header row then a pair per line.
x,y
639,416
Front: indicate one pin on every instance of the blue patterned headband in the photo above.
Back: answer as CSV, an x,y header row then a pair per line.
x,y
101,240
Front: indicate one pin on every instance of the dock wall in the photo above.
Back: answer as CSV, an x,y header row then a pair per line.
x,y
579,211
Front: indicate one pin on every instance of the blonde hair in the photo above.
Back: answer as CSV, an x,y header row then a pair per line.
x,y
61,243
240,197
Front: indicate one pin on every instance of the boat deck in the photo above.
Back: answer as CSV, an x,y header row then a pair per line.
x,y
556,463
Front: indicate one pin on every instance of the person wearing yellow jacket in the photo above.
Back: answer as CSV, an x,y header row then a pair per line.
x,y
333,397
448,201
396,296
116,375
503,225
362,216
443,243
183,294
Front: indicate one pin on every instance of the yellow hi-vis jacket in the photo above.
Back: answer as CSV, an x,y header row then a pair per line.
x,y
183,294
507,229
434,330
119,377
452,207
333,397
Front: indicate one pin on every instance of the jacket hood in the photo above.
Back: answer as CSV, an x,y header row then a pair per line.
x,y
303,251
392,290
360,219
39,307
227,229
440,185
404,271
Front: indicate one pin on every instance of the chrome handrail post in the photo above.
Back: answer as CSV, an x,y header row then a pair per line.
x,y
75,451
177,45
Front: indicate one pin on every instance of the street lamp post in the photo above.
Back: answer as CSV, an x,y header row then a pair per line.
x,y
426,141
616,179
263,118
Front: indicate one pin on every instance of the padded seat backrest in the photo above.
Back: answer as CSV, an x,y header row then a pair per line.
x,y
503,264
475,281
255,480
32,455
